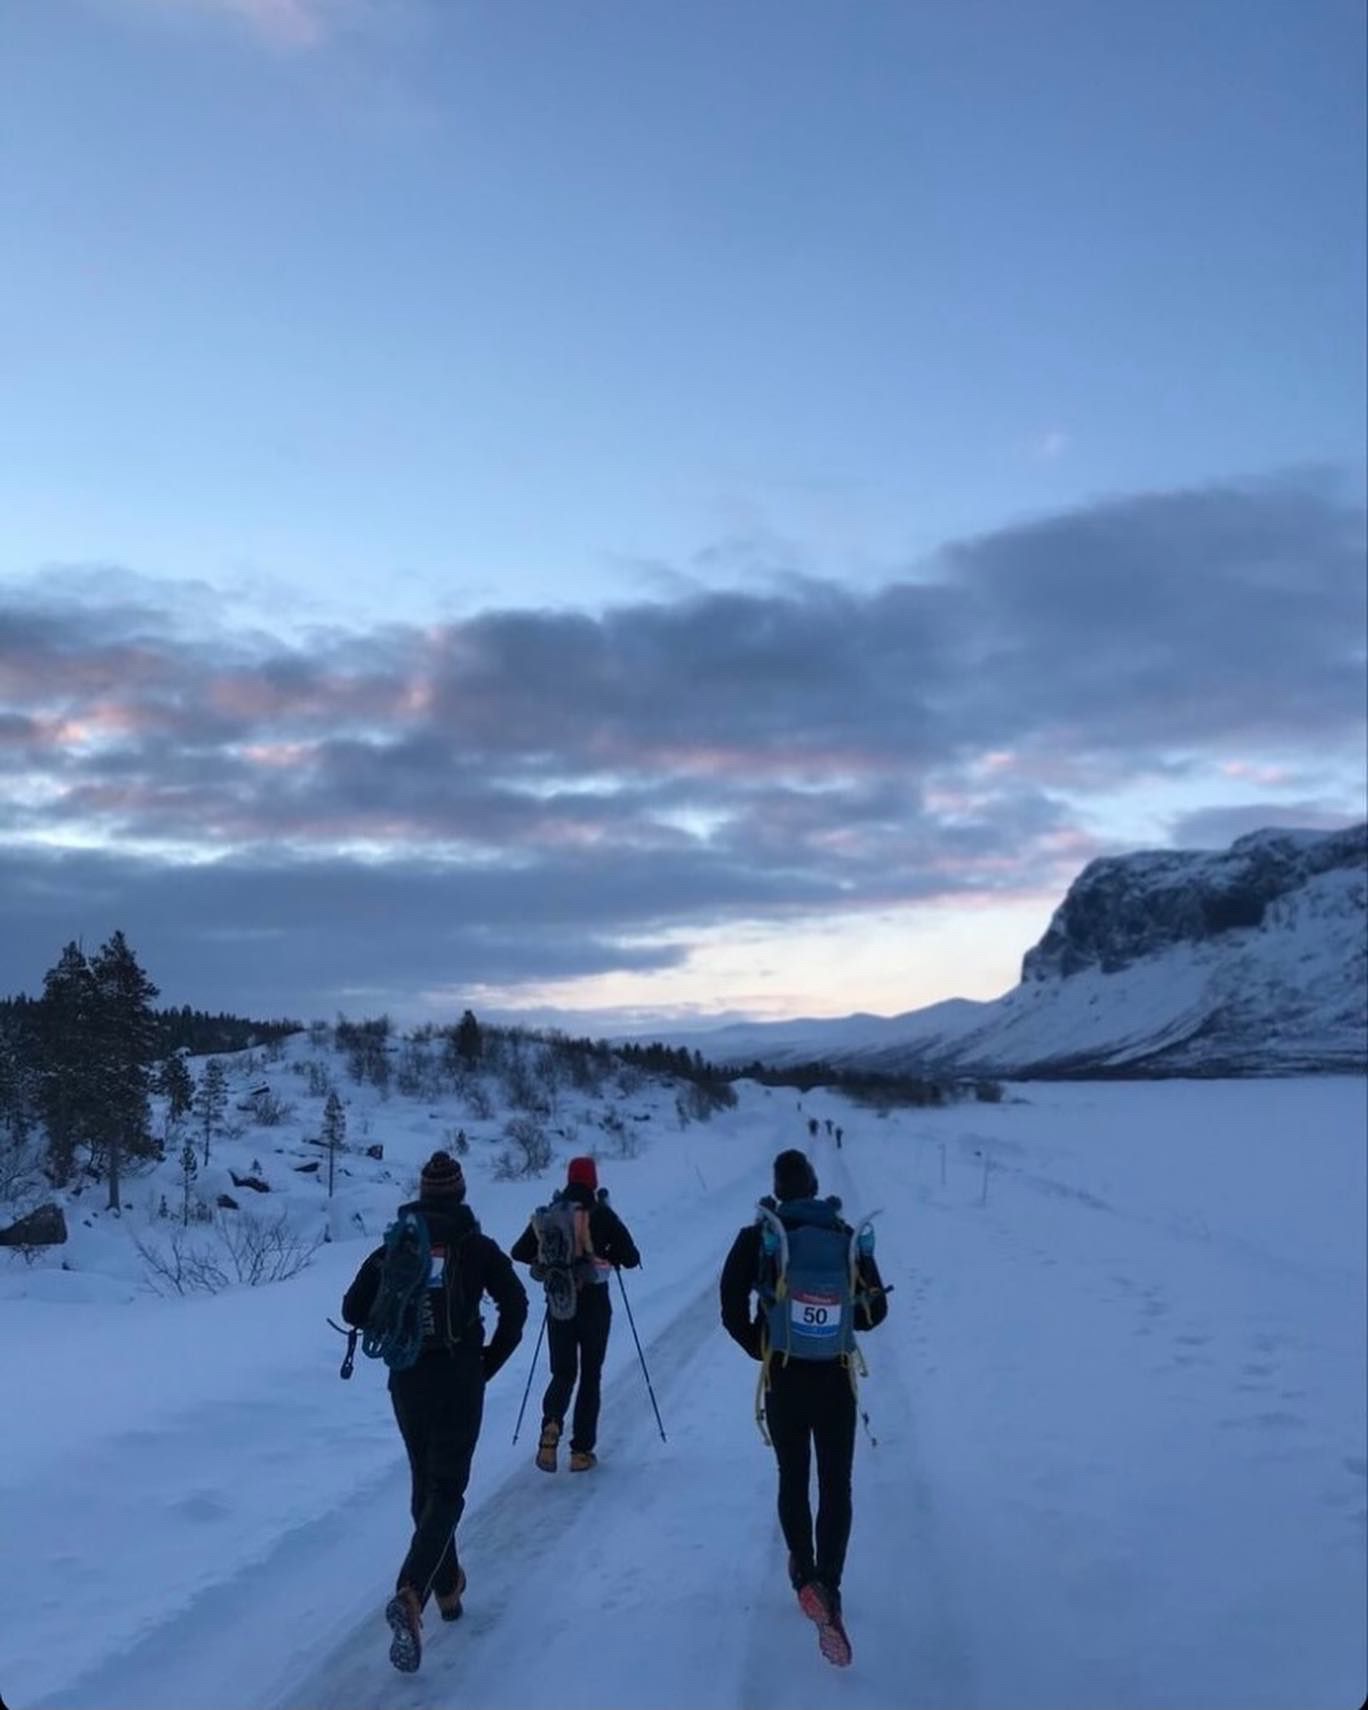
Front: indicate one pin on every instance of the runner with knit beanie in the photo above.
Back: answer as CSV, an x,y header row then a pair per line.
x,y
579,1342
439,1400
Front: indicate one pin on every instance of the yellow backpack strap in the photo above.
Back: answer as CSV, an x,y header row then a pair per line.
x,y
762,1384
854,1363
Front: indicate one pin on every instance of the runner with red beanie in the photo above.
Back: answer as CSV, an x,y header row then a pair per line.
x,y
579,1343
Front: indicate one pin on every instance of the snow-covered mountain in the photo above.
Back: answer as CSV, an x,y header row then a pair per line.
x,y
1249,961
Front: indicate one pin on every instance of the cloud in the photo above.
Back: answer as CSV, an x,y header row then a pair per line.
x,y
287,24
1218,827
1050,445
566,790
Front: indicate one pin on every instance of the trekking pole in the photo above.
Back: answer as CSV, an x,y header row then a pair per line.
x,y
637,1339
531,1370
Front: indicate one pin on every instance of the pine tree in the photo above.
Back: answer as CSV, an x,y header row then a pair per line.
x,y
124,1039
469,1044
189,1170
210,1102
176,1085
18,1081
67,1091
334,1134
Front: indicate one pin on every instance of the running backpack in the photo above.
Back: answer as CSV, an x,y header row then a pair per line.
x,y
412,1308
564,1254
809,1279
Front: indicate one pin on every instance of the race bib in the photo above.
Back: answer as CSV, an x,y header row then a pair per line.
x,y
815,1314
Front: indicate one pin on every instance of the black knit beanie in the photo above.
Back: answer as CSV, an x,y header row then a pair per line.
x,y
442,1177
794,1176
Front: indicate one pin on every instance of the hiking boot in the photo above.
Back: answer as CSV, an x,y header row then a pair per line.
x,y
405,1616
546,1448
823,1606
449,1606
582,1459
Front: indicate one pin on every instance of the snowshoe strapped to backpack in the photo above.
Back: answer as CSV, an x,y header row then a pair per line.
x,y
412,1310
809,1279
564,1254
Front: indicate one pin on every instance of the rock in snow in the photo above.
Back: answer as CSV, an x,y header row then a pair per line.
x,y
45,1227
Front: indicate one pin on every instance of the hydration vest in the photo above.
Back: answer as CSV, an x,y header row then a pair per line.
x,y
809,1279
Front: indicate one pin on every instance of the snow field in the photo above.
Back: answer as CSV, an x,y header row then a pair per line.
x,y
1119,1404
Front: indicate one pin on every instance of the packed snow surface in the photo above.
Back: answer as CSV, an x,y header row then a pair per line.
x,y
1119,1406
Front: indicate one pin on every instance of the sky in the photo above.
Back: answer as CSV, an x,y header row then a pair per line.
x,y
647,513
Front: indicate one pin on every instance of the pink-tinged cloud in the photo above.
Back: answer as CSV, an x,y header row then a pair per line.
x,y
306,696
1270,777
1071,845
761,758
102,720
46,676
279,755
939,800
283,23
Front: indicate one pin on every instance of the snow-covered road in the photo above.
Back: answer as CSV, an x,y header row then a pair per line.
x,y
1121,1458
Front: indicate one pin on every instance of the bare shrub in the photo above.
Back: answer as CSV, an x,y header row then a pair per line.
x,y
701,1099
508,1166
267,1109
242,1248
523,1088
265,1250
623,1142
529,1144
181,1264
477,1100
418,1075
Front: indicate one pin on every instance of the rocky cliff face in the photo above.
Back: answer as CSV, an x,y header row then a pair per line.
x,y
1249,961
1132,906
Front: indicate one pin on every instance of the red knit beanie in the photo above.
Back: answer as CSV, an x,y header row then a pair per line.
x,y
584,1171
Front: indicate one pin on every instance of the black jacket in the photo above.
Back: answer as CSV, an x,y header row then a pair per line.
x,y
483,1269
741,1280
607,1231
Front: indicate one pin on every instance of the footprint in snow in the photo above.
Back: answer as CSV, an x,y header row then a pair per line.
x,y
1272,1421
203,1506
